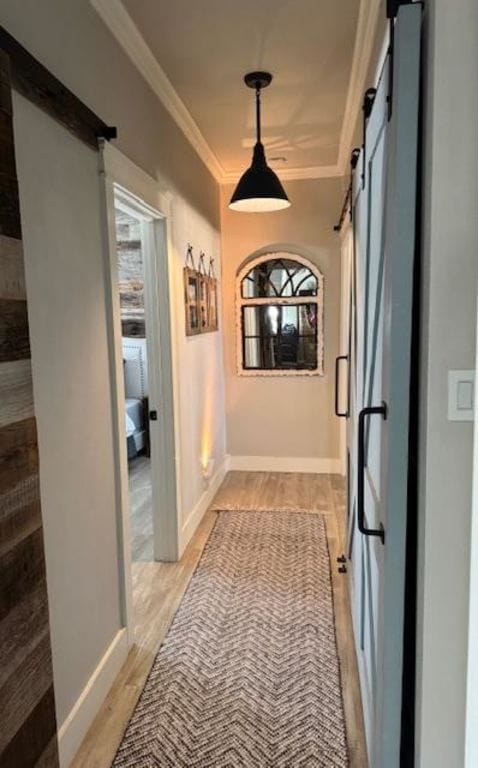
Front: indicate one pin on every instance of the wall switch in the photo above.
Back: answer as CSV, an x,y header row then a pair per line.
x,y
461,395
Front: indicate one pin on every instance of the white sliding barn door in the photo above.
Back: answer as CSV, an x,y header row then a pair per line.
x,y
384,212
61,202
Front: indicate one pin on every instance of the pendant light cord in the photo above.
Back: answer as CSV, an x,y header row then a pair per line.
x,y
259,188
258,112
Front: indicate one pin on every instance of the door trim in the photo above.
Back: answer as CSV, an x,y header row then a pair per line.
x,y
148,200
471,732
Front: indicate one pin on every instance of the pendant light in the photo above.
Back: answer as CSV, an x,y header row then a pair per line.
x,y
259,188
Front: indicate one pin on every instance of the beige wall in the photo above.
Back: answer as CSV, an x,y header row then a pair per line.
x,y
284,416
69,38
200,384
449,283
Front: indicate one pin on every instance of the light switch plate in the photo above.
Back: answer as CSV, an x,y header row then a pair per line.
x,y
461,395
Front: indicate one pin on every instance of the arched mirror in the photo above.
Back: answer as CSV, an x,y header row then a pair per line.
x,y
280,306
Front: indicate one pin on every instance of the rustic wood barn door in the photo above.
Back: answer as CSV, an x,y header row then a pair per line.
x,y
27,705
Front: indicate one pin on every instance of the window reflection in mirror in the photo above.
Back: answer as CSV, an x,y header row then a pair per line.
x,y
279,277
277,336
280,300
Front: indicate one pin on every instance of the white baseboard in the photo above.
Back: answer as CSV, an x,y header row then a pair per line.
x,y
199,510
285,464
73,730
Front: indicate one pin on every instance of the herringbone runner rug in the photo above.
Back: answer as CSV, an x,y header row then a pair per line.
x,y
248,674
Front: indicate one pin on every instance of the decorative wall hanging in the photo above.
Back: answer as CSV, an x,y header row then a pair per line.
x,y
191,294
279,321
212,298
203,293
200,295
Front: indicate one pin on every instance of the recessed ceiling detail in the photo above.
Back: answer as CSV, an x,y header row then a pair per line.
x,y
194,55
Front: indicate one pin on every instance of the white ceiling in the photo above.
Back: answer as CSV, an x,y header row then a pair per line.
x,y
196,52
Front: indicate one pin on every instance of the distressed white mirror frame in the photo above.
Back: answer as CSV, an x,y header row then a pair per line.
x,y
246,267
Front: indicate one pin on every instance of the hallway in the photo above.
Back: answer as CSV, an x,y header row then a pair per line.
x,y
160,587
238,435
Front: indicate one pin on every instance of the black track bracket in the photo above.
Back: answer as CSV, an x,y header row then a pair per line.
x,y
394,5
348,195
367,107
392,10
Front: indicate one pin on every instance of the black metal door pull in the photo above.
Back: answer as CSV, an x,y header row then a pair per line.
x,y
364,413
342,414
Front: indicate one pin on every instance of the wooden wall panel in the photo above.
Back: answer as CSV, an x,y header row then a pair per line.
x,y
27,705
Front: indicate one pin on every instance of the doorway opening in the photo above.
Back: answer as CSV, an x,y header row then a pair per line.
x,y
143,381
136,341
145,418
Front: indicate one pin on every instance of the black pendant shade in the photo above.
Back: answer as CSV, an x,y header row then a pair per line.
x,y
259,188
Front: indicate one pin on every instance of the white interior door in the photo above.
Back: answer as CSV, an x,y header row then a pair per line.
x,y
138,195
159,370
161,399
384,213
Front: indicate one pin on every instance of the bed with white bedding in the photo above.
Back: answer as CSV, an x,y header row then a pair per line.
x,y
136,431
136,391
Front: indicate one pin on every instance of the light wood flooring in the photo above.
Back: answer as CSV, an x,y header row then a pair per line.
x,y
159,587
141,516
277,490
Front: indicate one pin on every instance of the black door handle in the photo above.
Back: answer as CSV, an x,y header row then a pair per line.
x,y
153,415
382,411
343,414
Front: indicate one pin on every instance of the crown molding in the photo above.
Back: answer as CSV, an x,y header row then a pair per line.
x,y
291,174
123,28
369,12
